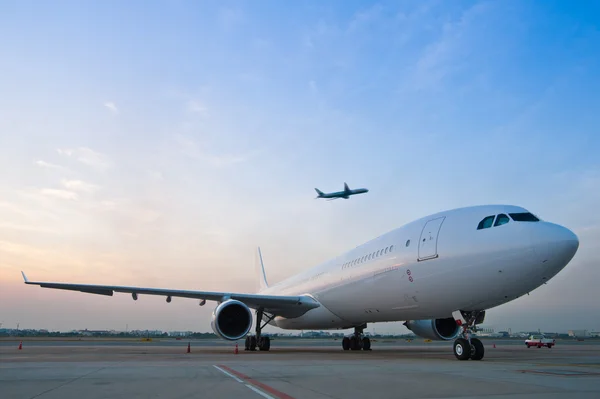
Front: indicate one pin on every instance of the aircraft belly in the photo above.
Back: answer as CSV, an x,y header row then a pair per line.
x,y
320,318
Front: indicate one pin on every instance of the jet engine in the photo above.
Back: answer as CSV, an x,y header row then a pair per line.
x,y
231,320
436,329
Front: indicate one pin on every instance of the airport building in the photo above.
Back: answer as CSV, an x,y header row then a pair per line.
x,y
578,333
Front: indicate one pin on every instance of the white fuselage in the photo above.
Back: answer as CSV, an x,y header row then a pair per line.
x,y
431,267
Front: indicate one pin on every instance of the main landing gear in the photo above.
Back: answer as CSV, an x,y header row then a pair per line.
x,y
466,347
263,343
357,341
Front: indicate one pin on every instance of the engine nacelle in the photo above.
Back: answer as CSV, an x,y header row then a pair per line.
x,y
231,320
436,329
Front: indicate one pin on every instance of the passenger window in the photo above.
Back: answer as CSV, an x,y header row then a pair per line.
x,y
501,219
377,254
485,223
391,248
407,243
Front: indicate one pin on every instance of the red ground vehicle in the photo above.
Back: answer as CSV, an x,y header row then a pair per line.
x,y
539,341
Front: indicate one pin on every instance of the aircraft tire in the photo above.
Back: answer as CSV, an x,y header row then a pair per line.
x,y
354,343
264,344
253,343
366,344
462,349
346,343
477,349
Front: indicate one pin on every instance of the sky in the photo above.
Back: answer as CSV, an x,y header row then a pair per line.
x,y
158,143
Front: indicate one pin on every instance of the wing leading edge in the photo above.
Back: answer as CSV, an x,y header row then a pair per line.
x,y
288,306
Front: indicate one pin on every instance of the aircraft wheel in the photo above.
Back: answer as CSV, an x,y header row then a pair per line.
x,y
346,343
366,344
354,343
462,349
477,349
253,343
265,344
247,343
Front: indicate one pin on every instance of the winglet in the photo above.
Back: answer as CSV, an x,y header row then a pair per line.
x,y
260,269
24,277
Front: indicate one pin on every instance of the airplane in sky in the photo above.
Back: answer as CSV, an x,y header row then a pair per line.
x,y
341,194
438,274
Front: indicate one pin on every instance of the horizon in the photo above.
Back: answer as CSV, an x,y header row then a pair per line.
x,y
158,144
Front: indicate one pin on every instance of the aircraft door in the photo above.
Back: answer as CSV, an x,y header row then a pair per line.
x,y
429,238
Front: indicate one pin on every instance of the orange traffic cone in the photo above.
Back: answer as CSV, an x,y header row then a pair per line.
x,y
188,350
236,349
21,345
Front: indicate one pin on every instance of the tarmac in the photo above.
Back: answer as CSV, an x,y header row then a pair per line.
x,y
293,369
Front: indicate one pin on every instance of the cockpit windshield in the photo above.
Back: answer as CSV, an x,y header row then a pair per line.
x,y
501,219
524,217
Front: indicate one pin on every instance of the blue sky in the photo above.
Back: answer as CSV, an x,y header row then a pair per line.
x,y
158,143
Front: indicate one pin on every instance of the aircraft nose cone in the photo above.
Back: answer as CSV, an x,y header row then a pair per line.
x,y
566,244
556,243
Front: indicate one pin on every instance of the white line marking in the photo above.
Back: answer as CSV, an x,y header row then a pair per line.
x,y
261,393
229,374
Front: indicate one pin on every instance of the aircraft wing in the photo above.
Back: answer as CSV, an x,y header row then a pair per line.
x,y
289,306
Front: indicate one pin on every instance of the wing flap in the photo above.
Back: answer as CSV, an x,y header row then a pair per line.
x,y
74,287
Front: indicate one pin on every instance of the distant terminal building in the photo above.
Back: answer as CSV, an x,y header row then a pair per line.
x,y
595,334
578,333
484,331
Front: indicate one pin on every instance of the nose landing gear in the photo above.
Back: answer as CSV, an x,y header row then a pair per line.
x,y
467,347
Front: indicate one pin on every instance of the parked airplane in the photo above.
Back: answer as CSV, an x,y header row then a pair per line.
x,y
439,274
341,194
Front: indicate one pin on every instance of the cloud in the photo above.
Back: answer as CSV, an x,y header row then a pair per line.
x,y
112,107
363,19
190,148
62,194
26,227
88,157
447,54
81,186
48,165
224,160
229,18
197,108
156,175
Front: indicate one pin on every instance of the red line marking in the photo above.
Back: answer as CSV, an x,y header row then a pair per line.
x,y
258,384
